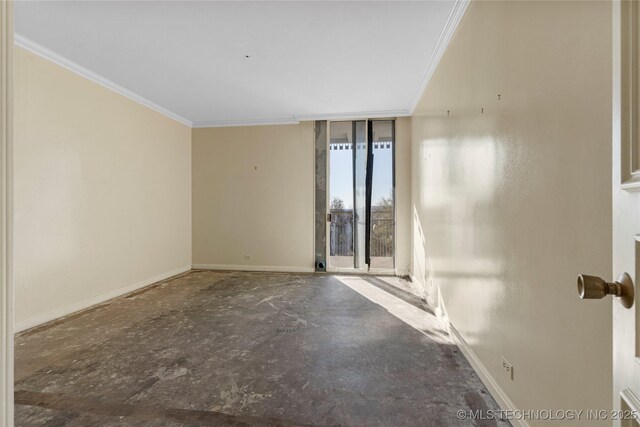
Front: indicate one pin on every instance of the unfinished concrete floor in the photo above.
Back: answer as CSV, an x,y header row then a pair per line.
x,y
230,348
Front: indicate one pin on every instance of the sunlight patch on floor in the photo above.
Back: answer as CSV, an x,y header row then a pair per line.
x,y
418,319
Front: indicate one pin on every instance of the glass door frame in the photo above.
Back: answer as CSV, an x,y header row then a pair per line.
x,y
369,142
330,267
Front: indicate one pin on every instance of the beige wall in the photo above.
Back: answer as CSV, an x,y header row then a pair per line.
x,y
253,196
403,195
512,204
102,192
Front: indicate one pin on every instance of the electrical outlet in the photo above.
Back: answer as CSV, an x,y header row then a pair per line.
x,y
247,257
508,368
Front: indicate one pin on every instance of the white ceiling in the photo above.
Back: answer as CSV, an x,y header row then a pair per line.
x,y
307,59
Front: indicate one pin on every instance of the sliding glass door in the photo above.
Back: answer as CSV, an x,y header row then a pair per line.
x,y
340,216
359,183
382,223
361,195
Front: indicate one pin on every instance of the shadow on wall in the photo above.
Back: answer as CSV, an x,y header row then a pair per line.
x,y
420,259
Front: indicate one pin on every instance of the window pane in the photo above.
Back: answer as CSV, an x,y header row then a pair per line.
x,y
382,196
341,195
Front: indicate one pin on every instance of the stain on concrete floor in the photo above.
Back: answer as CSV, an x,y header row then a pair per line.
x,y
238,348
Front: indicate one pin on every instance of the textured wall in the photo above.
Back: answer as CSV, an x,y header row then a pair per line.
x,y
512,204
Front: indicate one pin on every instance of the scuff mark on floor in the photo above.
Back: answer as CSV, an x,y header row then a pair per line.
x,y
237,397
214,348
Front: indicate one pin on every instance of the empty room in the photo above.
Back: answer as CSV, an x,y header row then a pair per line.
x,y
319,213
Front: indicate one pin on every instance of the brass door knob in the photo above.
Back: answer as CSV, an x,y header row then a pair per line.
x,y
593,287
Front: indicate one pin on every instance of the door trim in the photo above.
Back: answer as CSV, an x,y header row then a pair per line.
x,y
6,212
629,399
629,94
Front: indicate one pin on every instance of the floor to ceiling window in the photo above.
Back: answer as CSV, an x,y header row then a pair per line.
x,y
361,195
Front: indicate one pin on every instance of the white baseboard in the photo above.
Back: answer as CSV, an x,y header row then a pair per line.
x,y
489,382
269,268
81,305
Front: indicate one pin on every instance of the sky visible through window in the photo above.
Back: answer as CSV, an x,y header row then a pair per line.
x,y
341,175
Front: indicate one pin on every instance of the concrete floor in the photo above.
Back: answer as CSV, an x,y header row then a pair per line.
x,y
230,348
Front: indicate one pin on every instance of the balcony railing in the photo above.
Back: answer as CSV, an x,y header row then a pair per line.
x,y
382,232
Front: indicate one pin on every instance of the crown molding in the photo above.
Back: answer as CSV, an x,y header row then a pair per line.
x,y
457,11
50,55
249,122
355,115
297,119
449,29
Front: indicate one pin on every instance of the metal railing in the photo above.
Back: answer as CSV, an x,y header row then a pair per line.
x,y
381,236
382,232
341,243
